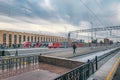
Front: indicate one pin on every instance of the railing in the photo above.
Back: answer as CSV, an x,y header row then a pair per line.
x,y
17,61
84,71
80,73
105,55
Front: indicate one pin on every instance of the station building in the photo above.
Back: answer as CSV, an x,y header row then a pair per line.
x,y
12,37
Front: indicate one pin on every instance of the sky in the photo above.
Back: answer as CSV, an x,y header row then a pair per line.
x,y
58,17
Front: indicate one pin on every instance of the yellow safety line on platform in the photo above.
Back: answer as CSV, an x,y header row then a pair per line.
x,y
112,70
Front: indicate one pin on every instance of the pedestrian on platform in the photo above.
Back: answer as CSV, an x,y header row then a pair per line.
x,y
74,48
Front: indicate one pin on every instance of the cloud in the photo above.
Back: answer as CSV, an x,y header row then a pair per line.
x,y
53,15
114,10
46,4
37,25
85,25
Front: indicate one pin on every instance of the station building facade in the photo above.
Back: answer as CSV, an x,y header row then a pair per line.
x,y
12,37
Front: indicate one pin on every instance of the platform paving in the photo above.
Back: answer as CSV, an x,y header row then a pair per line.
x,y
80,51
117,74
106,71
44,71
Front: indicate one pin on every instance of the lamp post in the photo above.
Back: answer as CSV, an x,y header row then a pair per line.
x,y
91,33
65,35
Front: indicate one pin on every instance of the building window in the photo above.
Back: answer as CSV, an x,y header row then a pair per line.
x,y
53,39
4,38
31,38
19,39
49,39
35,38
10,39
38,38
41,39
28,38
15,39
24,38
56,40
46,39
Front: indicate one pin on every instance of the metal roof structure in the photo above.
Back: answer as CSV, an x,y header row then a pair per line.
x,y
96,29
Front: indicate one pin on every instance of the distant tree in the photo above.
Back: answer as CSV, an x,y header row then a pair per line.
x,y
111,42
101,42
94,41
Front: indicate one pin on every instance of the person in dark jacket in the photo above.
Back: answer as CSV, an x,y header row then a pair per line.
x,y
74,48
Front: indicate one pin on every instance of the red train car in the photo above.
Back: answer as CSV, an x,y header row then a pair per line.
x,y
26,44
31,44
37,44
54,45
78,44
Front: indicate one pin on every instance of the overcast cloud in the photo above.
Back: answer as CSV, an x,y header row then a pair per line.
x,y
58,16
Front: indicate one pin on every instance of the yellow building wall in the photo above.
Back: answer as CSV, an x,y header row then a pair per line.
x,y
1,38
41,37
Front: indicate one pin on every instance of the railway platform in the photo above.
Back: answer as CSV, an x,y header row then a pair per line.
x,y
107,71
57,67
81,51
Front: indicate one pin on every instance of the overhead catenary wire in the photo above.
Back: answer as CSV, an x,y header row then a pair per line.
x,y
100,5
92,12
102,10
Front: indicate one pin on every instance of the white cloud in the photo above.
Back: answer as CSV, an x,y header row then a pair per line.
x,y
118,11
115,11
46,4
67,16
36,25
58,15
7,1
84,25
99,1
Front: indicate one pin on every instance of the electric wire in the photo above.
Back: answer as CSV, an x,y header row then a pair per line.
x,y
92,12
100,5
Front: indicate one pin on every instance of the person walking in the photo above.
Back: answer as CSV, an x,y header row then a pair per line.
x,y
74,48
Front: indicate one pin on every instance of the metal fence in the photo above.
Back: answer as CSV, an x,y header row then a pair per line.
x,y
79,73
17,61
84,71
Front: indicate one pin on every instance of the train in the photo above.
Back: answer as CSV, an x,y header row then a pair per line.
x,y
51,44
31,44
78,44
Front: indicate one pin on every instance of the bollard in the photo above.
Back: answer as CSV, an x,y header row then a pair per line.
x,y
39,58
16,54
96,63
3,65
88,74
23,61
16,60
3,53
92,64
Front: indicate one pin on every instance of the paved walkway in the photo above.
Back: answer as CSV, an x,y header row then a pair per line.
x,y
35,74
106,72
79,51
117,74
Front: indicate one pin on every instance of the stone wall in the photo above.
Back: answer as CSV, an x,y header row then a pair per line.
x,y
60,61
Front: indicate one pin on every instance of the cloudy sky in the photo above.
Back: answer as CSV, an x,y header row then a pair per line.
x,y
57,16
